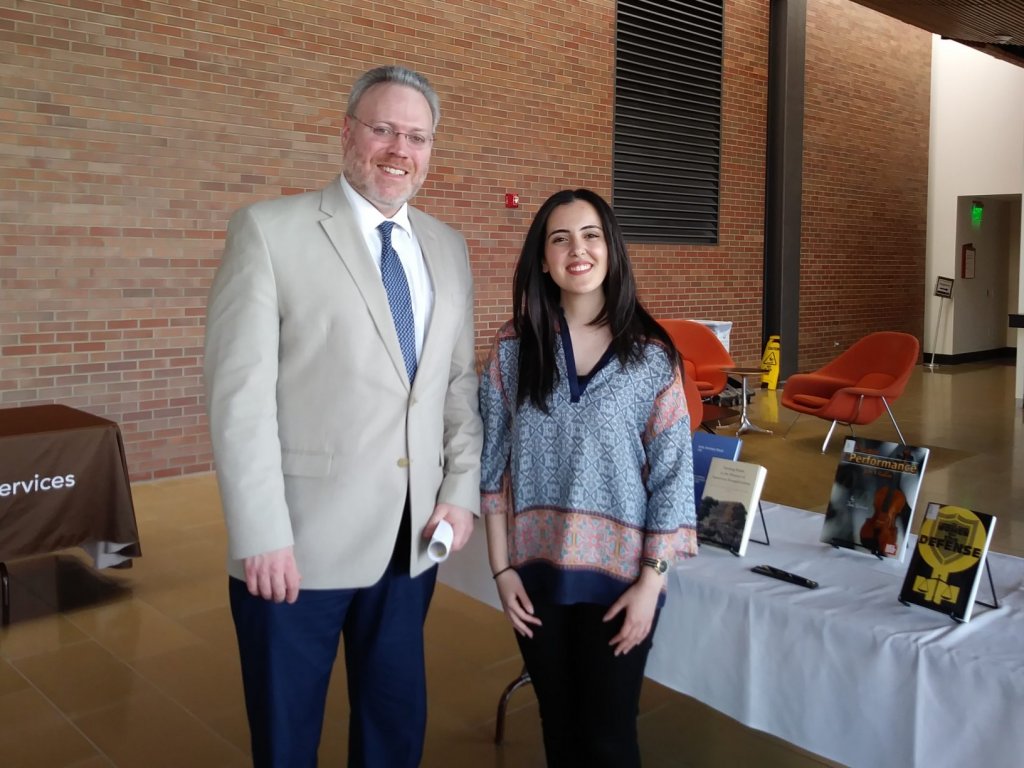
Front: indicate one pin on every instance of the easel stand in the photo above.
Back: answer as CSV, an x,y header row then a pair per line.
x,y
935,337
760,512
992,589
844,544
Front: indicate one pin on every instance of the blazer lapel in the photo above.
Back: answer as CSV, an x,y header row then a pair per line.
x,y
433,255
341,228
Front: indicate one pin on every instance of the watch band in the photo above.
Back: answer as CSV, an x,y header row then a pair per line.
x,y
660,566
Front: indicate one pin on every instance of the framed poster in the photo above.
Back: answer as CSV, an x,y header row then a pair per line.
x,y
967,254
944,287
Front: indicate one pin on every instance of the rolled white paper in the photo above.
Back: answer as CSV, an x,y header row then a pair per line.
x,y
441,542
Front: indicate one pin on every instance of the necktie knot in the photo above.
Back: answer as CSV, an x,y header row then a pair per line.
x,y
399,300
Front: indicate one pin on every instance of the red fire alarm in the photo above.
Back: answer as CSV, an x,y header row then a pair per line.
x,y
511,200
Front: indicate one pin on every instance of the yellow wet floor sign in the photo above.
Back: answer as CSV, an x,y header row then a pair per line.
x,y
770,363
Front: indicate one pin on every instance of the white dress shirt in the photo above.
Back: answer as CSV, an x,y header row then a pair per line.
x,y
403,240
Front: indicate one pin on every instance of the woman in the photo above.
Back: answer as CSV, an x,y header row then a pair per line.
x,y
587,478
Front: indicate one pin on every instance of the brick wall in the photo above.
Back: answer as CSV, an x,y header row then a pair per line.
x,y
130,129
865,178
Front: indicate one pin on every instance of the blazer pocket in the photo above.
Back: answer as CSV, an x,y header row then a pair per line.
x,y
306,463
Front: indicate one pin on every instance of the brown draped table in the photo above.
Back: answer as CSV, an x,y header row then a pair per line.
x,y
63,483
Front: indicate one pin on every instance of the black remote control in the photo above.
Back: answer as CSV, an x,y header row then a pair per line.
x,y
778,573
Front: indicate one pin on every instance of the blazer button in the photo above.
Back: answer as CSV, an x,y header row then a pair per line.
x,y
403,462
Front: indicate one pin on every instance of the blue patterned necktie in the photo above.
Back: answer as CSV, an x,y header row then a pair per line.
x,y
397,288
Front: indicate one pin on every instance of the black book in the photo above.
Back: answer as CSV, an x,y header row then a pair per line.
x,y
949,560
873,496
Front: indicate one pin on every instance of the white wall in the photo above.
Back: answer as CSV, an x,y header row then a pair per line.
x,y
976,150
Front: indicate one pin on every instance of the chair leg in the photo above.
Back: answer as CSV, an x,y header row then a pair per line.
x,y
515,685
824,446
784,436
893,420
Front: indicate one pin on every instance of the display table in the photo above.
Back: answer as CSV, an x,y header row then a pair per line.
x,y
845,670
63,483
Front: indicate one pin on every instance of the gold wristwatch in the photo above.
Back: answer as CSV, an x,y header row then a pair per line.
x,y
660,566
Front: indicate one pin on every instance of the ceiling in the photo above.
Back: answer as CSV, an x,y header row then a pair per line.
x,y
993,26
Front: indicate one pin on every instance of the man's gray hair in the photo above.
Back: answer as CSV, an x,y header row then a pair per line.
x,y
399,76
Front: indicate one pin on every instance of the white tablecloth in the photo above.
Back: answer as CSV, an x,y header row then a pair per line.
x,y
846,671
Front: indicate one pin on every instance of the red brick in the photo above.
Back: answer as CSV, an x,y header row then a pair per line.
x,y
175,116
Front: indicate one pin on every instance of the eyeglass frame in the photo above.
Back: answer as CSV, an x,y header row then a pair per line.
x,y
385,132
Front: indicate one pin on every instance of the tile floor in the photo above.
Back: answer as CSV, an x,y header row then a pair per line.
x,y
137,668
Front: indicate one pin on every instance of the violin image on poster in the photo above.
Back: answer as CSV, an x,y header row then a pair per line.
x,y
872,500
879,532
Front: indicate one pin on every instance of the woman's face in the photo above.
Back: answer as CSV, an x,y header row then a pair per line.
x,y
575,249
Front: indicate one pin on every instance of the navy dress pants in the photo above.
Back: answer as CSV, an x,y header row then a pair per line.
x,y
288,651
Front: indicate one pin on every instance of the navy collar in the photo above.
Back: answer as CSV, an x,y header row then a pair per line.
x,y
577,384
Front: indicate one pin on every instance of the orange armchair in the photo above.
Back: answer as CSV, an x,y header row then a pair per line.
x,y
858,386
694,405
703,355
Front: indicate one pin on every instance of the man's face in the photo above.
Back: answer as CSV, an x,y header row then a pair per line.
x,y
388,170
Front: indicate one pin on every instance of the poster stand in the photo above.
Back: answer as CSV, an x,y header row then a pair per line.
x,y
944,290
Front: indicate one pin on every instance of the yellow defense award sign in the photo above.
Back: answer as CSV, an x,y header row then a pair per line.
x,y
946,566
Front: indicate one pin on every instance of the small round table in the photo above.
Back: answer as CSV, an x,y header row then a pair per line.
x,y
745,424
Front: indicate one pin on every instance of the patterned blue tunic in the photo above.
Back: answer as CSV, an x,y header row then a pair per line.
x,y
603,479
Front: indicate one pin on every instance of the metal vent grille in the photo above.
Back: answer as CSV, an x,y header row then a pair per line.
x,y
668,106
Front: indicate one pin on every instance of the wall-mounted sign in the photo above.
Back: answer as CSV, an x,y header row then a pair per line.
x,y
967,254
944,287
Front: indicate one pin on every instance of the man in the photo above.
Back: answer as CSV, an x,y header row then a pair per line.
x,y
343,411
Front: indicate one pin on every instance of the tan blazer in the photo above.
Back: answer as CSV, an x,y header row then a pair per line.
x,y
316,435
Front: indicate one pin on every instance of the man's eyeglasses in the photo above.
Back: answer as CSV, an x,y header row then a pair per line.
x,y
385,132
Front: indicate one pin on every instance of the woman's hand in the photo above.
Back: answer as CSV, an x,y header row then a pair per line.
x,y
639,602
516,602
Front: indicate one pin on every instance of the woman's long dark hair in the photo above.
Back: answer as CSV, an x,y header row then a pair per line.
x,y
536,298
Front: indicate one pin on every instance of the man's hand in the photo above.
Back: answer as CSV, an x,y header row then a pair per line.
x,y
461,521
273,575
